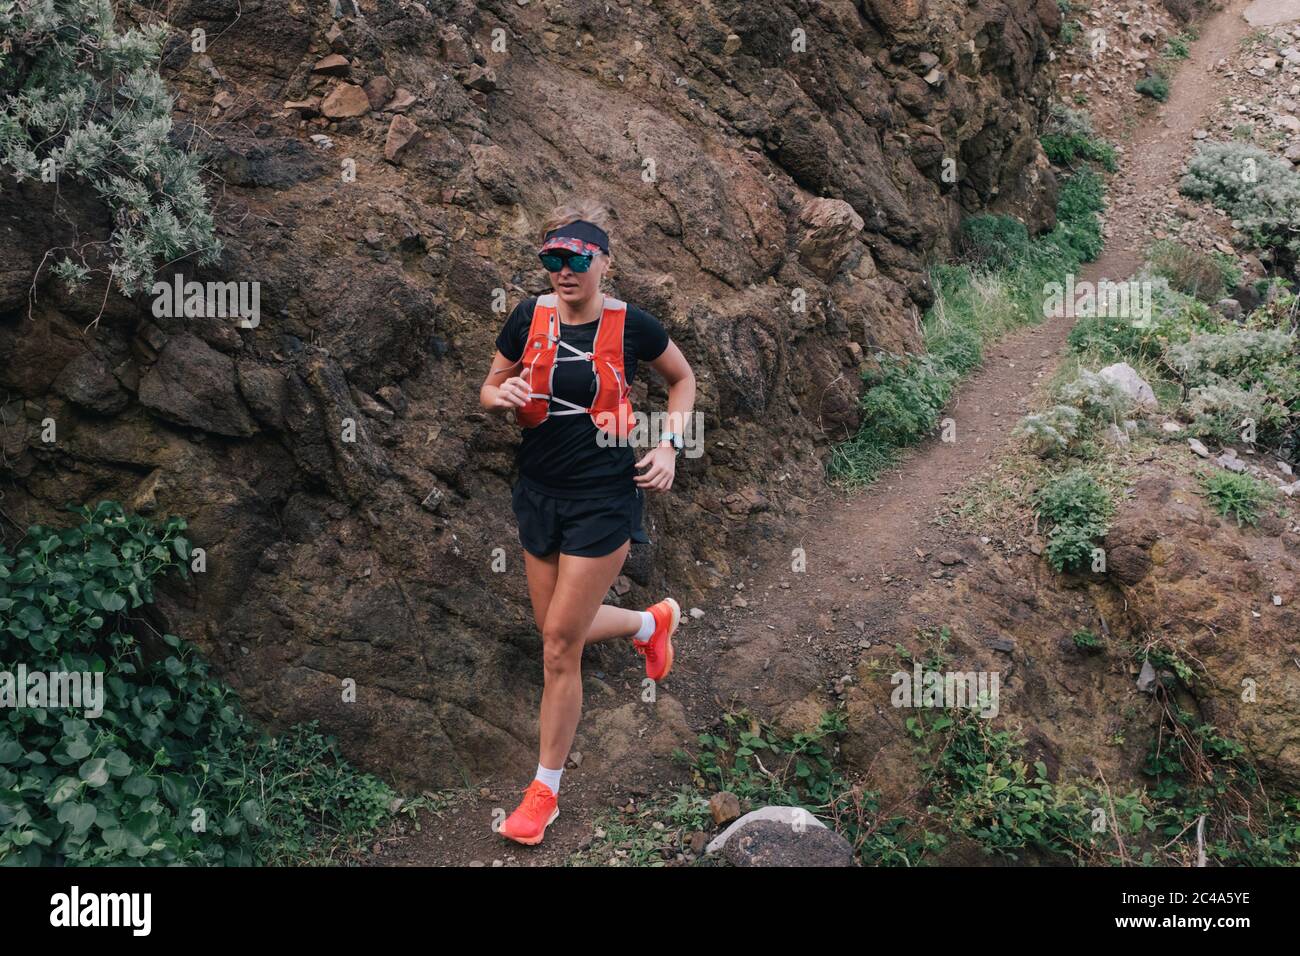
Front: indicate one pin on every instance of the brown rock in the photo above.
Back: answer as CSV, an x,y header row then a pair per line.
x,y
402,132
724,806
454,48
334,37
192,384
87,381
308,108
345,100
379,90
481,78
333,65
402,101
829,229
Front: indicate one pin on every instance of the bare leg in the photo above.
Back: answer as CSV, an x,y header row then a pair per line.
x,y
580,585
609,622
613,622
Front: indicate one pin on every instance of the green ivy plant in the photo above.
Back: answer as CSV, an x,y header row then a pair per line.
x,y
171,771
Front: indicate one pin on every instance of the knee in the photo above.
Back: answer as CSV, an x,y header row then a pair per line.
x,y
561,650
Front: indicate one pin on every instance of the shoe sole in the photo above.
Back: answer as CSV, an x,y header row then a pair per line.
x,y
672,629
526,841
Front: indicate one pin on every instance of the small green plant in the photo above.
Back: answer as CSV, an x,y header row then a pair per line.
x,y
1069,136
1078,509
1099,398
1087,642
1205,779
650,833
994,241
763,766
981,785
1154,86
1051,432
1177,47
1236,495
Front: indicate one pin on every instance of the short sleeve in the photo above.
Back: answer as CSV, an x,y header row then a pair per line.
x,y
510,340
652,337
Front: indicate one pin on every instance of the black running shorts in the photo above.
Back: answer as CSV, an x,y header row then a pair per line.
x,y
587,527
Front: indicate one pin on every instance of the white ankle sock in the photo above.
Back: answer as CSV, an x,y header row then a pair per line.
x,y
550,777
647,626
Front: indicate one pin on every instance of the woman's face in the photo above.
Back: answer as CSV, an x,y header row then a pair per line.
x,y
578,287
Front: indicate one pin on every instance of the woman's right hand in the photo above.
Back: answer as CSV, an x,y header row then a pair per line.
x,y
512,393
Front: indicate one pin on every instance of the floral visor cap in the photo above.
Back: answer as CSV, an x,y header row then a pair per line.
x,y
580,236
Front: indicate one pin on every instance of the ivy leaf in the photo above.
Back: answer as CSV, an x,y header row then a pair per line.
x,y
94,772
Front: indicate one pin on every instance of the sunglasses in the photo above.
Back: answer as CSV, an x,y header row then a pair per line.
x,y
554,262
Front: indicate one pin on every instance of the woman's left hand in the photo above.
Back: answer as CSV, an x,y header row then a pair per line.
x,y
662,462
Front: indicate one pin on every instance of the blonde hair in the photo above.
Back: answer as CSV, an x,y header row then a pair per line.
x,y
594,212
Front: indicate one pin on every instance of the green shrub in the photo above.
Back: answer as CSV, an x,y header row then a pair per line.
x,y
904,398
1051,432
994,241
1077,237
1236,495
1078,509
1243,355
1154,86
1100,399
1201,776
1251,185
1064,150
1087,401
171,772
1068,135
1239,375
1192,272
1177,48
984,789
86,97
1225,411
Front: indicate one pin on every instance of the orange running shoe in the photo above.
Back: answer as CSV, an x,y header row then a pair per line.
x,y
536,812
658,650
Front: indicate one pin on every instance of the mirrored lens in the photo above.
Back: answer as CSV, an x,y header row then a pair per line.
x,y
554,262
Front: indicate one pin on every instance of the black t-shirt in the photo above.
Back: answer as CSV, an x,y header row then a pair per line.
x,y
560,456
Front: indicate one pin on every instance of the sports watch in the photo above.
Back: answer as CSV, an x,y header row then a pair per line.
x,y
675,438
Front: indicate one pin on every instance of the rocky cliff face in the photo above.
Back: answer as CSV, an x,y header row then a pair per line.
x,y
777,174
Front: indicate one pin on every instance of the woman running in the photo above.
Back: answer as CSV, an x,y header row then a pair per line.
x,y
564,366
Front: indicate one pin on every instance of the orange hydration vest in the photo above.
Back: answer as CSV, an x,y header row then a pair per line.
x,y
611,409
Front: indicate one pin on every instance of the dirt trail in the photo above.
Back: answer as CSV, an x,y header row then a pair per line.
x,y
799,632
877,532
